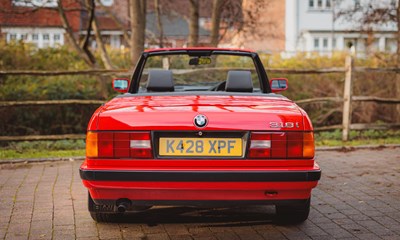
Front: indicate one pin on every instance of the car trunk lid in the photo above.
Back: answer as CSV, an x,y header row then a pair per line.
x,y
240,113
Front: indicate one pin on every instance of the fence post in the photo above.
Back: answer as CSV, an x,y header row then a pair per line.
x,y
349,65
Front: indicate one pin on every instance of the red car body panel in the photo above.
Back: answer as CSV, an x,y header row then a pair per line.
x,y
173,112
176,113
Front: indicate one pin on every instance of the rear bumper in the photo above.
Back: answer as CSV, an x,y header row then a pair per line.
x,y
200,188
201,176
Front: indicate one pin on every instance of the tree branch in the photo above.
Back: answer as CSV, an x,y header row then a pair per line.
x,y
85,45
70,35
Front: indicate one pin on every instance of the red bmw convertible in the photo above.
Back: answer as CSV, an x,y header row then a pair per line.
x,y
199,127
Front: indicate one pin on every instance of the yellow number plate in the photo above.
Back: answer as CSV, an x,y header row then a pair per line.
x,y
220,147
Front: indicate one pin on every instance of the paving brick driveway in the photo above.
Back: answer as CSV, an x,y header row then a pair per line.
x,y
358,197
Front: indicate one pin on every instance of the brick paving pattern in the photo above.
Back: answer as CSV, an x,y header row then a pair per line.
x,y
358,198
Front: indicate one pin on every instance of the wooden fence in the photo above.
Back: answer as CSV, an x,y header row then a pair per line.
x,y
347,98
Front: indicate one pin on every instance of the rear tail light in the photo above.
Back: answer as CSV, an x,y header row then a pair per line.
x,y
118,145
140,145
281,145
308,145
91,144
260,145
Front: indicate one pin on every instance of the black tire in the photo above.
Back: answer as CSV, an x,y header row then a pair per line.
x,y
290,214
99,216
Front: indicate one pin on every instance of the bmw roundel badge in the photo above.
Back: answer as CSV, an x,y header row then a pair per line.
x,y
200,121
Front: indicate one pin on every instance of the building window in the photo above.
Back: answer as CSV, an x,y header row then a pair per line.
x,y
328,4
325,43
107,3
35,3
57,38
316,43
391,44
13,37
334,43
46,40
24,37
319,4
39,38
35,39
115,41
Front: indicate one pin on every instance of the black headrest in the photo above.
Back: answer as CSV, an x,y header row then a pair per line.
x,y
239,81
160,81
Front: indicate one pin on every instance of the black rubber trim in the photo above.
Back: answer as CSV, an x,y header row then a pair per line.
x,y
201,176
203,203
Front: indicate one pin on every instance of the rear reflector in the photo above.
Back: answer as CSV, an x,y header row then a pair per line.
x,y
281,145
118,145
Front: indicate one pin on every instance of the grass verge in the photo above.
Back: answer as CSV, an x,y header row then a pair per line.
x,y
34,153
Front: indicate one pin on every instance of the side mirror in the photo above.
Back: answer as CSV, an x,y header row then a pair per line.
x,y
120,84
278,84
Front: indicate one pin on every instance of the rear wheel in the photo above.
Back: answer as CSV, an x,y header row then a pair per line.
x,y
101,216
293,213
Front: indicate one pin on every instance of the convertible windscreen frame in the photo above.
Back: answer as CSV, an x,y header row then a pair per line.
x,y
262,75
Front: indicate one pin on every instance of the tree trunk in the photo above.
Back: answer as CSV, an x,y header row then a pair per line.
x,y
103,51
137,10
157,7
85,44
194,24
215,21
397,83
90,60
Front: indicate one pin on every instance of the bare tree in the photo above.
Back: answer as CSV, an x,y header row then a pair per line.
x,y
157,8
236,17
90,5
369,15
83,52
216,21
85,42
137,9
194,23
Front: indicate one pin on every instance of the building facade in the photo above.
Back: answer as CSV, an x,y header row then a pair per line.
x,y
36,21
287,26
315,26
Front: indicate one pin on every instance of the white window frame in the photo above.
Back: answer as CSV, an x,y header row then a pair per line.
x,y
323,5
325,40
316,43
40,42
35,3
